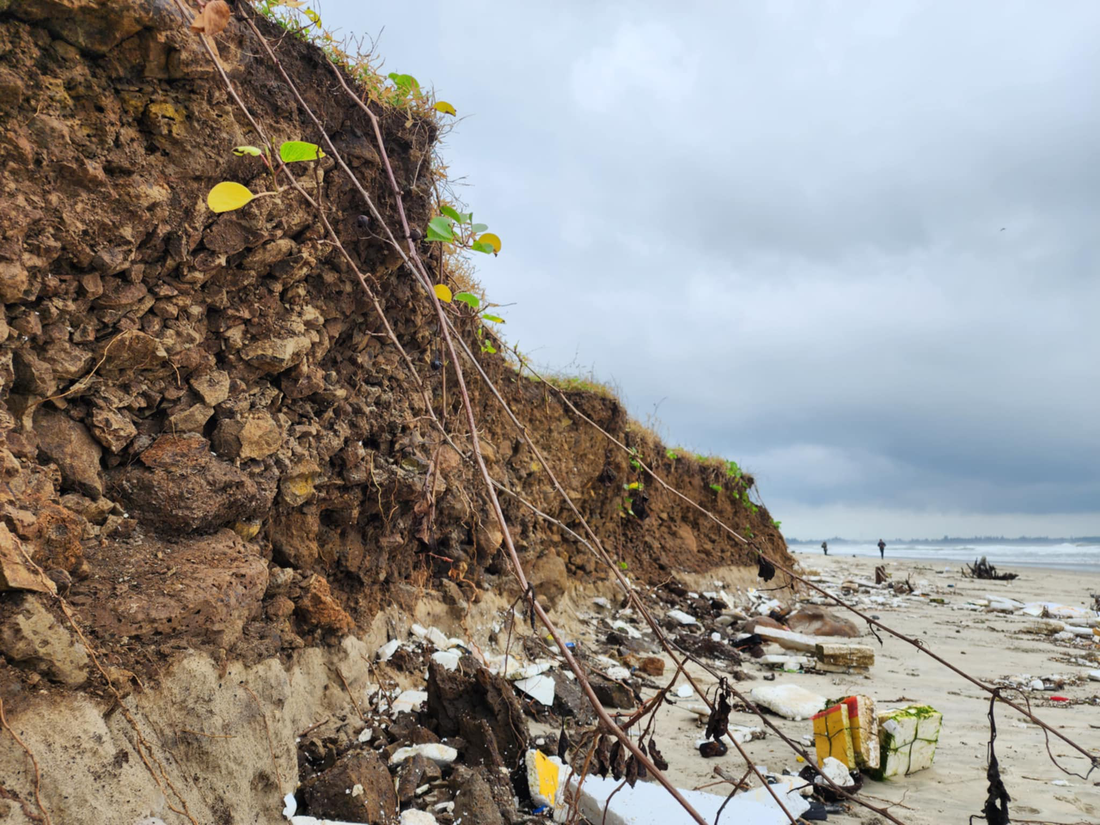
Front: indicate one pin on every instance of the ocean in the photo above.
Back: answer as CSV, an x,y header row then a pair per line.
x,y
1063,556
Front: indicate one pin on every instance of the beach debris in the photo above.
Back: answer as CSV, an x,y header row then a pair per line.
x,y
439,754
833,736
863,722
649,804
907,740
385,653
547,777
836,658
447,658
982,569
414,817
409,701
1094,675
327,794
836,771
789,701
541,688
681,617
815,620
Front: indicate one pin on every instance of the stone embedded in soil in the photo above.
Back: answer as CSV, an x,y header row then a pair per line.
x,y
212,387
67,443
32,636
255,435
14,572
319,609
414,772
112,429
181,486
206,588
612,694
549,578
327,795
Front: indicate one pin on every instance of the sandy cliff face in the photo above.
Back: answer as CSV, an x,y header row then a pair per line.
x,y
204,437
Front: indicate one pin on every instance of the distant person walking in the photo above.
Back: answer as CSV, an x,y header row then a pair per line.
x,y
825,547
882,549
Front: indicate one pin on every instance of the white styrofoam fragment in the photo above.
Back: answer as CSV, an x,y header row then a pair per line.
x,y
789,701
385,653
650,804
409,700
628,629
440,754
539,687
682,617
618,673
447,659
415,817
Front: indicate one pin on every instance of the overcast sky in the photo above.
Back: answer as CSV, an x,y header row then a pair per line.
x,y
851,245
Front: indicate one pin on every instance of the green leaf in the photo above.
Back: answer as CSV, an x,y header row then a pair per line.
x,y
478,227
451,213
439,229
496,319
465,217
623,565
716,487
405,83
478,246
296,150
487,347
227,196
241,151
469,299
445,107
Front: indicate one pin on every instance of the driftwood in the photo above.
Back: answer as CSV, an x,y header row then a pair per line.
x,y
982,569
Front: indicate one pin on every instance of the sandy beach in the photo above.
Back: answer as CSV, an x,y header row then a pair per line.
x,y
988,645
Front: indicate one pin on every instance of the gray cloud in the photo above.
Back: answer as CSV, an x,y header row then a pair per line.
x,y
785,221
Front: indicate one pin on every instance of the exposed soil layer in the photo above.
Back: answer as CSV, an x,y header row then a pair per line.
x,y
206,438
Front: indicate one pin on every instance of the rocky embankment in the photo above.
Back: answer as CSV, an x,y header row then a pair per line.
x,y
206,441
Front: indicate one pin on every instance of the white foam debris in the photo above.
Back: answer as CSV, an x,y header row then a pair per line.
x,y
628,629
685,691
682,617
788,701
447,659
539,687
409,700
415,817
440,754
385,653
618,673
650,804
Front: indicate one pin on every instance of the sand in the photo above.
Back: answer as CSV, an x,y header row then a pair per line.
x,y
987,645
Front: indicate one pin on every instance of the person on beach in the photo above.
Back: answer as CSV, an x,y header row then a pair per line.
x,y
882,549
825,547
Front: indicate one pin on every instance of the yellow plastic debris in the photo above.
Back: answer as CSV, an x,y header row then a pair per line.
x,y
833,736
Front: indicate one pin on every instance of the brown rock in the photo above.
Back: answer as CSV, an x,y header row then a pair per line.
x,y
762,621
296,486
319,609
205,589
33,636
59,533
815,620
649,665
481,708
15,573
358,788
68,444
273,355
180,486
474,801
294,537
112,428
549,578
13,282
191,420
213,387
32,375
413,773
279,608
612,694
69,362
254,435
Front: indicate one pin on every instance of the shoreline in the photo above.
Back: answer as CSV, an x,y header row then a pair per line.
x,y
1052,566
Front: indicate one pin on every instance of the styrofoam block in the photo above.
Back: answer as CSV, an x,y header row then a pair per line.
x,y
546,778
833,736
415,817
648,803
788,701
863,722
385,653
409,700
907,740
682,617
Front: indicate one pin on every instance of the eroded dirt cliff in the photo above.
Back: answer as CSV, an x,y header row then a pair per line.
x,y
206,439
